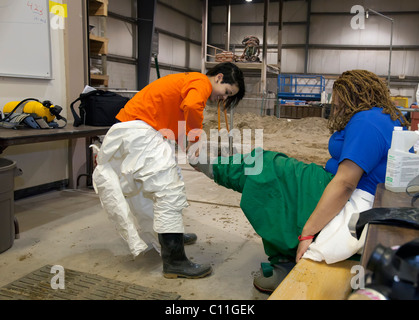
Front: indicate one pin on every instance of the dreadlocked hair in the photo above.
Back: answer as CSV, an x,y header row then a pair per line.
x,y
360,90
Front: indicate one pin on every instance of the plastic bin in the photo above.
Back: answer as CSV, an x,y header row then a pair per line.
x,y
402,102
7,212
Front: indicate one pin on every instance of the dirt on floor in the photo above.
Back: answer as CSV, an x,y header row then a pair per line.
x,y
305,139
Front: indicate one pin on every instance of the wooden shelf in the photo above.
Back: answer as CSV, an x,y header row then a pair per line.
x,y
98,8
98,45
99,80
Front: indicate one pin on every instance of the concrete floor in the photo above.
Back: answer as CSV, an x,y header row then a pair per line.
x,y
69,228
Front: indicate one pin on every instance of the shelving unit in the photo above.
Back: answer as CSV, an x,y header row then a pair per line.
x,y
99,44
98,8
97,80
261,68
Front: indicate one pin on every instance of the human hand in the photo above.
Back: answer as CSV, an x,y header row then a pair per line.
x,y
302,248
190,151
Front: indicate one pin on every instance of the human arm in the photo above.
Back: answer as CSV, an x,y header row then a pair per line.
x,y
194,94
334,198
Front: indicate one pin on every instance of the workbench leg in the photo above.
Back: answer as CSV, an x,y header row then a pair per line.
x,y
17,232
89,163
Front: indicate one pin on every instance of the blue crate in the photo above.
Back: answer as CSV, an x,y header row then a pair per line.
x,y
291,86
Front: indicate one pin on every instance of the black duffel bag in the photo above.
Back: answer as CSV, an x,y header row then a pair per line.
x,y
98,108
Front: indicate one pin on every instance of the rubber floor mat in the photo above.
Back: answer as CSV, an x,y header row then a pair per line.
x,y
38,285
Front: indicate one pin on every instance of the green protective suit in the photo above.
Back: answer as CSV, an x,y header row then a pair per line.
x,y
278,200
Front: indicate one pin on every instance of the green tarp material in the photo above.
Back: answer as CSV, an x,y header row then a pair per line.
x,y
277,201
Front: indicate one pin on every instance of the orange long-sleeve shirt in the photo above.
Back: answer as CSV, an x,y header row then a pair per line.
x,y
168,100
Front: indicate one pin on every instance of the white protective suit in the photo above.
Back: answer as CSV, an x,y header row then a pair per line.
x,y
139,184
340,229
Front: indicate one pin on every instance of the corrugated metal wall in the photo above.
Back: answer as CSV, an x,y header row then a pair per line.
x,y
333,45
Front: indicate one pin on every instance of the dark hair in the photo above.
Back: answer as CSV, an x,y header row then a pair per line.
x,y
360,90
231,75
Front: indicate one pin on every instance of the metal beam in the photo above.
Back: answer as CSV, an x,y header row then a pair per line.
x,y
121,17
344,13
280,24
349,47
204,35
265,48
176,36
332,46
145,16
228,23
307,36
259,24
178,11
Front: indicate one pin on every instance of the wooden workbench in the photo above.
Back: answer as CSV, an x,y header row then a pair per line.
x,y
14,137
310,280
388,235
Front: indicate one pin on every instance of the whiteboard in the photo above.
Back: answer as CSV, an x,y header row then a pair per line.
x,y
25,43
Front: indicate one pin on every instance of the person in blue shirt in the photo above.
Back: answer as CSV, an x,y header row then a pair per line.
x,y
289,202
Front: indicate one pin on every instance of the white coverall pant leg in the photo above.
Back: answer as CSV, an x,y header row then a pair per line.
x,y
136,166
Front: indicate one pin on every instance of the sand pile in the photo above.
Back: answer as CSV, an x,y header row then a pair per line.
x,y
304,139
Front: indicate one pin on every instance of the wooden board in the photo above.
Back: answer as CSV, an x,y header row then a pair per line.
x,y
311,280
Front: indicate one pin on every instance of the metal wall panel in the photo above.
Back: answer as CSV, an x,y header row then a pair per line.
x,y
179,53
190,7
179,22
120,36
404,63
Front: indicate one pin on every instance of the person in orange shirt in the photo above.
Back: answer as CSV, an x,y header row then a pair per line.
x,y
182,97
137,177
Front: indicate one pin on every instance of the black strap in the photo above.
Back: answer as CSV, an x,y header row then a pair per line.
x,y
413,185
403,217
77,120
61,118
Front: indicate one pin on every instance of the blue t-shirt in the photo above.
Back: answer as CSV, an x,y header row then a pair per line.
x,y
365,140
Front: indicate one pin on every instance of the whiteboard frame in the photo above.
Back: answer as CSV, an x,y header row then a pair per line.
x,y
50,77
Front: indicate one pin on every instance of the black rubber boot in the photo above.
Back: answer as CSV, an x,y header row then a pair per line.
x,y
189,238
175,262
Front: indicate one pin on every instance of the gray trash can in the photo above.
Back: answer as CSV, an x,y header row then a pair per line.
x,y
7,204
